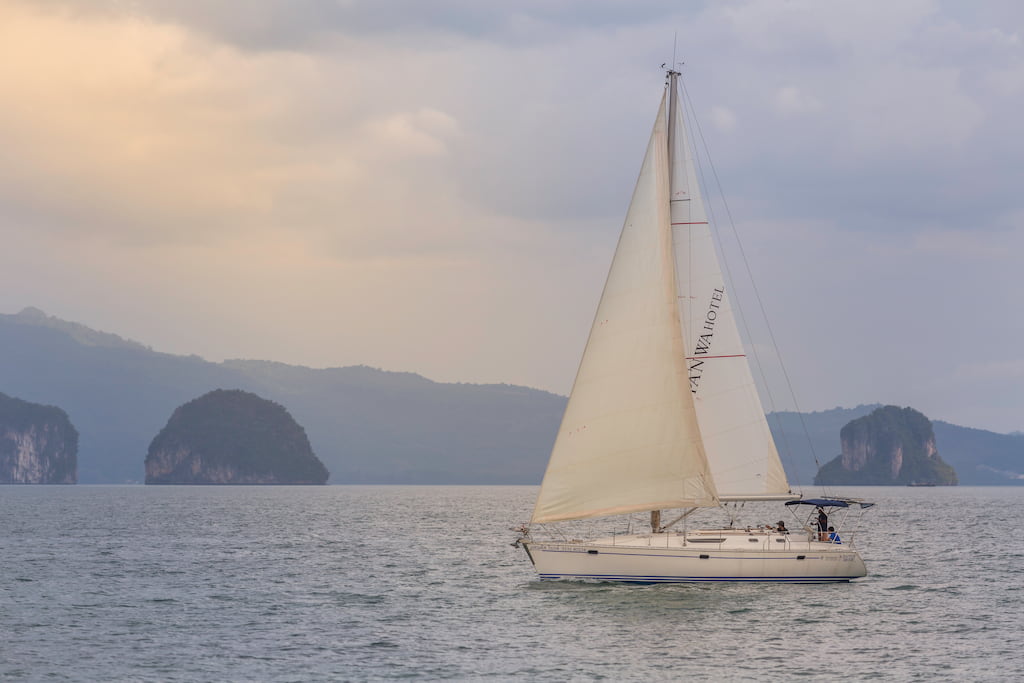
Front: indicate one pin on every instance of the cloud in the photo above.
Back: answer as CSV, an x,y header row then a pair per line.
x,y
417,133
155,136
991,246
438,187
136,130
723,118
158,182
308,25
1002,370
790,100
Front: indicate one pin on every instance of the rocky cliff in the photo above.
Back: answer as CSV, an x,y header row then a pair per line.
x,y
889,446
38,444
232,437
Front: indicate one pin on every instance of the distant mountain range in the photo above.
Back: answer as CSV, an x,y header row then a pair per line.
x,y
368,426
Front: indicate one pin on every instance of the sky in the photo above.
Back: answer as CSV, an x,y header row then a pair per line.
x,y
437,187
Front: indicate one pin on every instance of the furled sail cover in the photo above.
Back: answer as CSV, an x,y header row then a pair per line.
x,y
739,446
629,440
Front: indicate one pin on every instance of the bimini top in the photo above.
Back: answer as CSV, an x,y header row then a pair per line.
x,y
831,502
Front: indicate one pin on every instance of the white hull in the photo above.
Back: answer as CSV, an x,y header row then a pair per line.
x,y
707,555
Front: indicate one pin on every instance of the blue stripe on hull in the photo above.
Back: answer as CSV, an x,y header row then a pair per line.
x,y
698,579
778,555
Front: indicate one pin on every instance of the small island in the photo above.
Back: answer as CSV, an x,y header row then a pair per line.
x,y
232,437
38,444
890,446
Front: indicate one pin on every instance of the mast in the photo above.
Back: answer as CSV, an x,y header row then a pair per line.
x,y
670,95
673,77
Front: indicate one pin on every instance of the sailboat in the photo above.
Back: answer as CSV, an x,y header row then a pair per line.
x,y
664,413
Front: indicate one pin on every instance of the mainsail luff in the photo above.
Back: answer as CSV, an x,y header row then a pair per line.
x,y
629,439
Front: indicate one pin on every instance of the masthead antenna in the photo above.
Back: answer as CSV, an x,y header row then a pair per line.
x,y
673,66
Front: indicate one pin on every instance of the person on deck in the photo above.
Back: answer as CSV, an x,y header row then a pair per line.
x,y
781,527
833,537
822,524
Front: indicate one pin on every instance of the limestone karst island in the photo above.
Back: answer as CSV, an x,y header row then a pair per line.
x,y
232,437
889,446
38,444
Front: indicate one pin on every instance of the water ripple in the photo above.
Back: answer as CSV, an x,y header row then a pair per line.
x,y
382,583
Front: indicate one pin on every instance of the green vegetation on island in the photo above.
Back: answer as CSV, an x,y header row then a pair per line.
x,y
890,446
38,444
232,437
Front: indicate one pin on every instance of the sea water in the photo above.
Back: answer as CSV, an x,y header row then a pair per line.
x,y
379,583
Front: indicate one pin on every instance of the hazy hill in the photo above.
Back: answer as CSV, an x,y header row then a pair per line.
x,y
367,425
980,457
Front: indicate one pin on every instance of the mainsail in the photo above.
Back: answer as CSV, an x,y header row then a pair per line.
x,y
744,462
